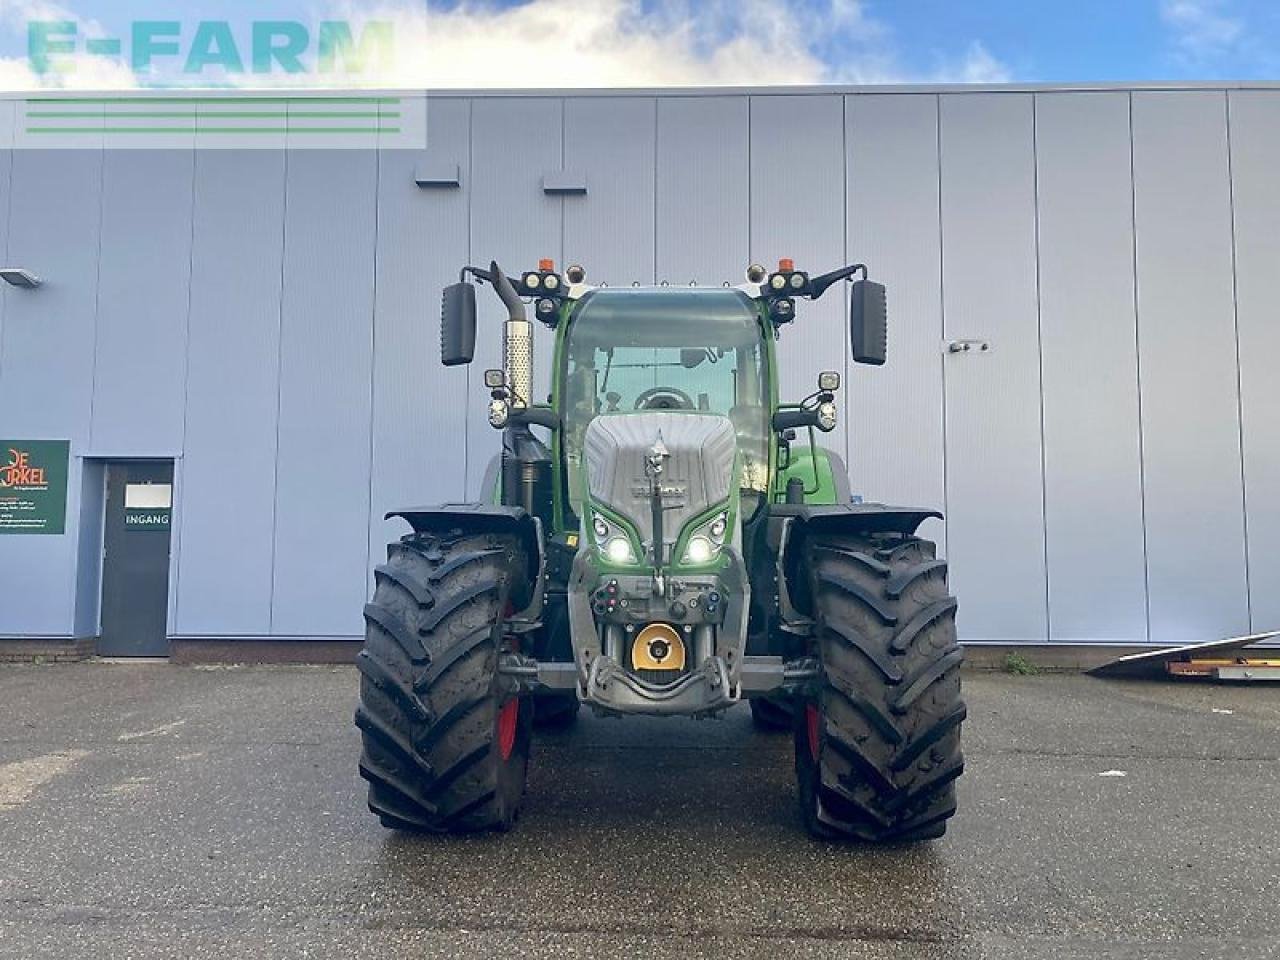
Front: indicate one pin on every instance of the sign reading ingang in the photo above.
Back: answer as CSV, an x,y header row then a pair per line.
x,y
33,486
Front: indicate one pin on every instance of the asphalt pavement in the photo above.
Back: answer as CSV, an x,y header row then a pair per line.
x,y
151,810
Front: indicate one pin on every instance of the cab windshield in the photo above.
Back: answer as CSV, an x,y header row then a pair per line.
x,y
666,349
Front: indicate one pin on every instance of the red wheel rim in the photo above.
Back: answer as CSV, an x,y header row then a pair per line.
x,y
507,718
813,723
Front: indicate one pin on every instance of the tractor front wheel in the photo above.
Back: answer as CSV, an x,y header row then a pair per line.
x,y
446,742
878,742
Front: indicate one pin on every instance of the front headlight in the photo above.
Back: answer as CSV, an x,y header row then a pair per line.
x,y
612,542
826,417
706,540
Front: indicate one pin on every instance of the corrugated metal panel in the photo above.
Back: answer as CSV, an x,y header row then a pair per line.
x,y
419,406
1255,158
6,174
995,524
797,147
228,484
895,411
88,583
144,283
1093,469
610,230
46,363
674,188
703,190
514,142
47,389
326,342
1187,356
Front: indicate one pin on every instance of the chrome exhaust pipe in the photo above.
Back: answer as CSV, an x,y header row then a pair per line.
x,y
517,342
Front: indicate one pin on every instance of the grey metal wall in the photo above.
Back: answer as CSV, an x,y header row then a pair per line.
x,y
269,318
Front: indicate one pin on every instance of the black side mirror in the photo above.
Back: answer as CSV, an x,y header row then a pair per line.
x,y
868,322
458,324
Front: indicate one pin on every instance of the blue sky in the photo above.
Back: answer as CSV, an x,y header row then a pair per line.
x,y
656,42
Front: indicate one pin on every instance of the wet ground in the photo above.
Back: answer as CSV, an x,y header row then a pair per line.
x,y
153,810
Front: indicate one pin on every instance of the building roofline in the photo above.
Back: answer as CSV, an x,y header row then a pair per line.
x,y
707,91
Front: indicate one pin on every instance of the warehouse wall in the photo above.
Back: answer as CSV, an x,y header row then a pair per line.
x,y
269,318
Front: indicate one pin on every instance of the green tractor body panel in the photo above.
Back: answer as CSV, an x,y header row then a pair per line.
x,y
813,467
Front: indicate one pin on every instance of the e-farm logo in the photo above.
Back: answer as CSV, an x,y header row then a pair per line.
x,y
215,52
221,71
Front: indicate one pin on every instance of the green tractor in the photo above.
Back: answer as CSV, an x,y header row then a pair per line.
x,y
676,544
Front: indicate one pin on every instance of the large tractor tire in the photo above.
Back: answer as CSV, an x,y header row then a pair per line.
x,y
878,742
556,711
446,743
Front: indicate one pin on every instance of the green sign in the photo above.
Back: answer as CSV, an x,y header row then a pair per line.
x,y
33,486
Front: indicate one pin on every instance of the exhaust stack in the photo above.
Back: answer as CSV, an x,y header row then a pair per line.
x,y
517,353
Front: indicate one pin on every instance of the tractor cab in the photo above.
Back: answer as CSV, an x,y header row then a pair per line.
x,y
672,351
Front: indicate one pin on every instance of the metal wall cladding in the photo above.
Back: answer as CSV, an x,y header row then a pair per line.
x,y
797,144
703,190
143,288
1255,158
894,423
326,407
270,318
612,141
228,485
1189,372
419,407
1089,364
995,488
7,113
515,142
47,363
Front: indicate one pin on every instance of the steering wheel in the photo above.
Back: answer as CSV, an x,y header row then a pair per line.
x,y
664,398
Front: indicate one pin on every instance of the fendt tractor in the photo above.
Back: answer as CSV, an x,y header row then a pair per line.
x,y
677,543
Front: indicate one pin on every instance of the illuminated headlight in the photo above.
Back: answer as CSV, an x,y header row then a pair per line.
x,y
499,413
551,281
699,551
532,281
706,540
618,550
612,543
826,417
778,281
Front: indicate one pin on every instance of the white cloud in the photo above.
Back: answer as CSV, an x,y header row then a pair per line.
x,y
590,43
83,72
608,43
977,66
578,43
668,42
1201,29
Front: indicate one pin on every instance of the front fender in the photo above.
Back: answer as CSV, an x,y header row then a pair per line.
x,y
486,518
790,526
